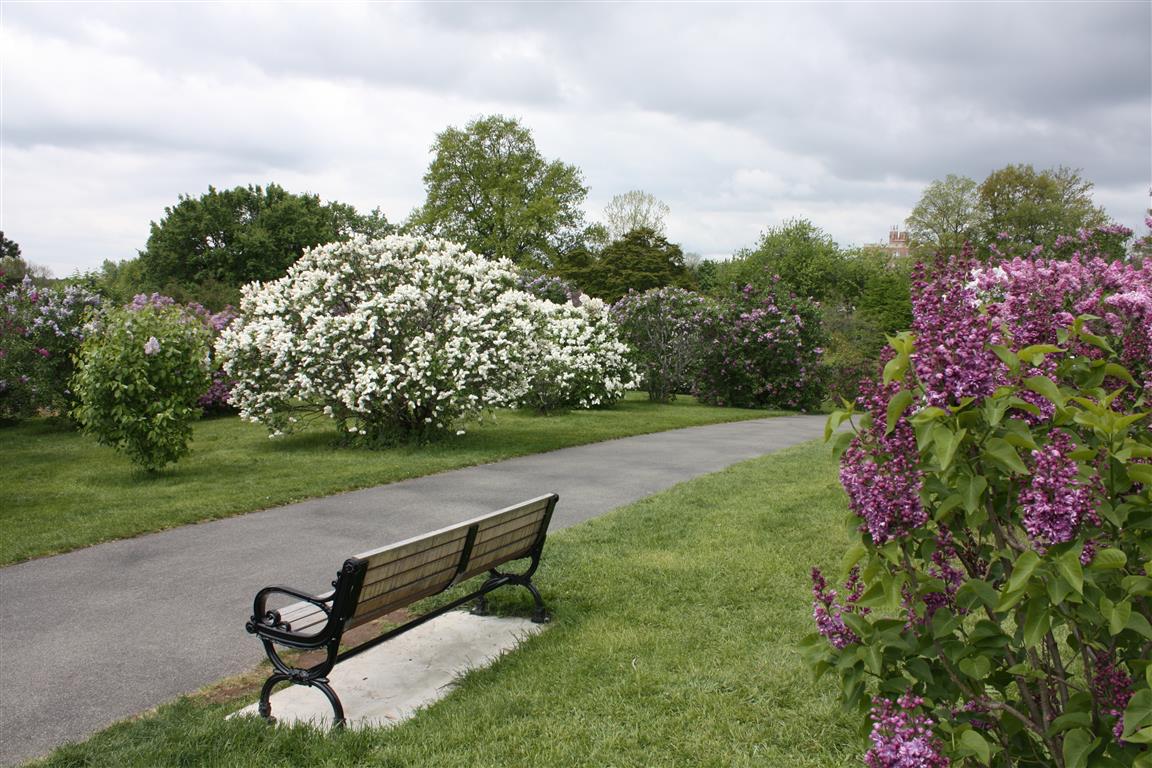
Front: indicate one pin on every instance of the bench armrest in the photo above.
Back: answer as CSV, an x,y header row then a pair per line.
x,y
263,619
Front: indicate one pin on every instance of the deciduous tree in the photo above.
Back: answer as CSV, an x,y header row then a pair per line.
x,y
489,188
235,236
1037,207
947,216
634,210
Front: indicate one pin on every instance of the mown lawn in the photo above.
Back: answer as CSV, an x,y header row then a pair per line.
x,y
674,643
62,491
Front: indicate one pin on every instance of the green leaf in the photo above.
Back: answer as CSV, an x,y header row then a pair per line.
x,y
1022,570
1007,356
976,667
1036,621
978,745
1036,352
833,423
1137,623
854,554
895,368
1045,387
1140,473
945,443
1142,736
1138,713
973,488
1118,621
982,590
1071,720
1078,745
1119,372
1069,566
896,407
1109,559
1004,454
840,442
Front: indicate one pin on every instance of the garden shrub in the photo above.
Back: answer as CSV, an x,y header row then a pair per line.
x,y
216,399
40,330
760,348
395,339
998,603
139,375
579,360
661,326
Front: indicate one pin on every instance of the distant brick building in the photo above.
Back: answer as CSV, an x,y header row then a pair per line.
x,y
897,243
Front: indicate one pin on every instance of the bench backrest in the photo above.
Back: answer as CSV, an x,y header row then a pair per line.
x,y
400,574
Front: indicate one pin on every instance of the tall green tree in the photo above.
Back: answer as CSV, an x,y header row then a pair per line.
x,y
1037,207
235,236
805,257
947,216
489,188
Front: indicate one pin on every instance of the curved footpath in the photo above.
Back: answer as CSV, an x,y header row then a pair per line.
x,y
94,636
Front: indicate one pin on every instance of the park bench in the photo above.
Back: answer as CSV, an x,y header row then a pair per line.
x,y
380,581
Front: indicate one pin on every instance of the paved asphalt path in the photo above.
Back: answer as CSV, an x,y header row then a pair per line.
x,y
93,636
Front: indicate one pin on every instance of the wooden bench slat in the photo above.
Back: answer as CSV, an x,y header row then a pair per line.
x,y
418,570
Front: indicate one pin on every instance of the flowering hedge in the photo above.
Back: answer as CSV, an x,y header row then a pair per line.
x,y
998,607
394,339
40,331
139,374
661,326
760,349
578,359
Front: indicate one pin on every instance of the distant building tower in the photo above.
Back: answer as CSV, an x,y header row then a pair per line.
x,y
897,242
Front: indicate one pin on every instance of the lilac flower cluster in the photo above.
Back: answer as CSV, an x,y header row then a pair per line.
x,y
217,397
880,472
40,330
549,288
952,358
828,611
943,567
1054,501
1037,298
1111,689
902,737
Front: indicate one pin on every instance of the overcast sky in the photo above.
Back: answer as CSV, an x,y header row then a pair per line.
x,y
738,115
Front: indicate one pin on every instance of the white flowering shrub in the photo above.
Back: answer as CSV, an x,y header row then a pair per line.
x,y
394,339
580,361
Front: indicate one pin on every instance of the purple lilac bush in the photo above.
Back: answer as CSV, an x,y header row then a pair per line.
x,y
760,349
41,329
999,605
216,398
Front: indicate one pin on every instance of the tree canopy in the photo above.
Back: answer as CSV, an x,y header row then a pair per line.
x,y
235,236
489,188
638,261
805,257
1036,206
947,216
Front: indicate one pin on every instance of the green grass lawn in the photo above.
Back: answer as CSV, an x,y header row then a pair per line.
x,y
62,491
674,643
